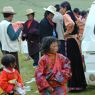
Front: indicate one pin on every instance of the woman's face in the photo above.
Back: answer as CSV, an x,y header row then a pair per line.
x,y
54,47
62,10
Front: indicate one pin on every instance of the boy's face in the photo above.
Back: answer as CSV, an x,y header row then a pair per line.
x,y
54,47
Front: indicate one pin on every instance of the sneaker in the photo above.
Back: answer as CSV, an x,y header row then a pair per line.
x,y
32,80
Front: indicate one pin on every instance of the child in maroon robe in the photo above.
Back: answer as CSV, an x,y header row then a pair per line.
x,y
53,70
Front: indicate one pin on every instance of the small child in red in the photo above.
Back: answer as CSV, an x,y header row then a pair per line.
x,y
10,79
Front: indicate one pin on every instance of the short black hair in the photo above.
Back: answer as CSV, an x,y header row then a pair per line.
x,y
46,42
66,5
83,13
7,15
76,10
7,60
57,6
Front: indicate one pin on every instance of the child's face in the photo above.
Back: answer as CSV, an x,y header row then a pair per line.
x,y
13,65
54,47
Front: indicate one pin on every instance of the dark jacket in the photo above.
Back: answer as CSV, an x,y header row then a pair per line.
x,y
45,28
31,34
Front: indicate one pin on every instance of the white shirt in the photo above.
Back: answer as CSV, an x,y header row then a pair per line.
x,y
58,19
6,42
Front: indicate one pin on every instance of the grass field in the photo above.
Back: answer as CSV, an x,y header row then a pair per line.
x,y
37,5
20,6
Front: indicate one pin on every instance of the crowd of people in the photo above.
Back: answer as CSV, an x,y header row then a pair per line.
x,y
57,37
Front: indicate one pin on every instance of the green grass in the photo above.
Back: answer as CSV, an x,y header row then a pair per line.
x,y
27,72
37,5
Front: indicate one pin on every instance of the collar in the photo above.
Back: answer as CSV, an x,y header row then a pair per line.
x,y
8,70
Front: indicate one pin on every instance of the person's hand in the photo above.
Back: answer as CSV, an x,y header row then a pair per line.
x,y
50,89
21,26
66,35
16,93
32,41
24,35
12,81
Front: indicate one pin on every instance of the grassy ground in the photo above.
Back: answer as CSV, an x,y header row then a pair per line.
x,y
37,5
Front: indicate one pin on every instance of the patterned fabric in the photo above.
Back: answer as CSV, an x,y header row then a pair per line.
x,y
53,71
57,91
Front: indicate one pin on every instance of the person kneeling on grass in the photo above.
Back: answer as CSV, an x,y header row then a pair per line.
x,y
53,70
10,79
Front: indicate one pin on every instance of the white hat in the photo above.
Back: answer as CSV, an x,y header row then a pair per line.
x,y
51,9
29,11
8,9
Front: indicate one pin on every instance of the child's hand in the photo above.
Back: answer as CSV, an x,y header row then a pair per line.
x,y
16,93
50,89
12,81
17,85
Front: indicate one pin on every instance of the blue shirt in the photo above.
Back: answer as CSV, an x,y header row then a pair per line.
x,y
12,34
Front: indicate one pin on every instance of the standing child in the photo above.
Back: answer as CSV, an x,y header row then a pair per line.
x,y
10,79
53,70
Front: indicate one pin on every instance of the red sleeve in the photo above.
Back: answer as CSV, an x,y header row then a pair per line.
x,y
66,68
4,83
19,80
41,81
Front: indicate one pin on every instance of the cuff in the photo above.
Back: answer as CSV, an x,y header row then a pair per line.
x,y
10,88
